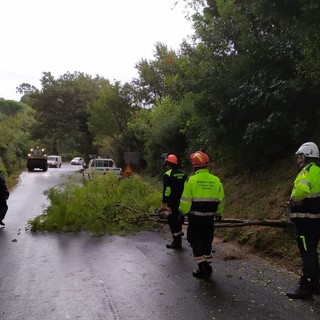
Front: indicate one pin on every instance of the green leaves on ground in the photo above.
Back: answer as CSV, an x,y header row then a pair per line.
x,y
103,206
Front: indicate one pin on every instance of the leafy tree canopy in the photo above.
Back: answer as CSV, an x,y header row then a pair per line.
x,y
61,107
16,119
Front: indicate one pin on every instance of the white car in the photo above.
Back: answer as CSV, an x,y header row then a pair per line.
x,y
77,161
54,161
101,166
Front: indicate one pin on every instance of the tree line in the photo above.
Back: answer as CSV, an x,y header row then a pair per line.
x,y
244,88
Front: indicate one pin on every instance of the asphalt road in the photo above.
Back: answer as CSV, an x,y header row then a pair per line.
x,y
76,276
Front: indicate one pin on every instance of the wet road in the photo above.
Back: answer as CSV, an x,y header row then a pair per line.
x,y
75,276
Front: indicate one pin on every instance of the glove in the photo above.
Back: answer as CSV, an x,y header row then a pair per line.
x,y
157,211
218,218
293,204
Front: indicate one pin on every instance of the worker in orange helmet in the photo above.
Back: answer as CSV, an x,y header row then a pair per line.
x,y
173,182
203,201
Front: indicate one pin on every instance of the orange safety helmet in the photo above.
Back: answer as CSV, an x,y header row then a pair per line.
x,y
171,158
199,159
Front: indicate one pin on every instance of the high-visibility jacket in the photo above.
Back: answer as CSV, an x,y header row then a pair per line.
x,y
173,182
203,194
306,190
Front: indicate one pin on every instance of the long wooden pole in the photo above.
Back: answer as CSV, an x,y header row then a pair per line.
x,y
234,223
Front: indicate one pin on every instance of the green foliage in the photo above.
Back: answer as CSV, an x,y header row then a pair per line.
x,y
109,119
106,205
249,95
109,114
167,122
160,77
61,107
308,38
224,6
27,90
16,119
10,107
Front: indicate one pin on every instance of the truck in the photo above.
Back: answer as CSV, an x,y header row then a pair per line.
x,y
100,166
37,159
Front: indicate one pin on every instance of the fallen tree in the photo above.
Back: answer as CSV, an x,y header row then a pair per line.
x,y
108,205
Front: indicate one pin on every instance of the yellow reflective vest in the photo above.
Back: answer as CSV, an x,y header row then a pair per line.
x,y
306,193
203,194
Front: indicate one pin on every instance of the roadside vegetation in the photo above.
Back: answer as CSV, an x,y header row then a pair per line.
x,y
244,88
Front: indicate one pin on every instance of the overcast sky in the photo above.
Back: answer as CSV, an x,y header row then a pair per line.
x,y
105,37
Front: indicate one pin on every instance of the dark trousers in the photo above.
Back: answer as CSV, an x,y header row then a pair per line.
x,y
200,235
175,221
3,210
308,236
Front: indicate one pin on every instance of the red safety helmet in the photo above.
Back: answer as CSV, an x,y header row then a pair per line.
x,y
171,158
199,159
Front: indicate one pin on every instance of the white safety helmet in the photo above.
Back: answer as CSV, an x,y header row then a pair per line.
x,y
309,149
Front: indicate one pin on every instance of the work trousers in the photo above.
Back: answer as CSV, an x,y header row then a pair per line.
x,y
175,221
200,236
3,210
308,236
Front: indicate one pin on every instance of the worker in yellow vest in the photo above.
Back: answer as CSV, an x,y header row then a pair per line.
x,y
203,201
305,213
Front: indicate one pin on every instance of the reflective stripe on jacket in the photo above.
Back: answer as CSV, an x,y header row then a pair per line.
x,y
203,192
306,190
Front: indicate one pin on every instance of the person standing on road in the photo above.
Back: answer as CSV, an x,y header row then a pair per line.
x,y
173,182
305,214
203,200
4,195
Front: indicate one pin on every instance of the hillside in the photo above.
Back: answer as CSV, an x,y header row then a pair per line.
x,y
261,195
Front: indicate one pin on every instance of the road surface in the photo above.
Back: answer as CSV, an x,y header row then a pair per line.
x,y
77,276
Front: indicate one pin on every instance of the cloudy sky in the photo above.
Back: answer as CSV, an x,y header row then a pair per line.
x,y
105,37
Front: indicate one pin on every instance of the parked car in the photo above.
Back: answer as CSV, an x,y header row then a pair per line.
x,y
77,161
101,166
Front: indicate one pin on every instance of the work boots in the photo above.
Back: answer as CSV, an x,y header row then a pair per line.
x,y
315,285
176,243
304,290
203,272
208,267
